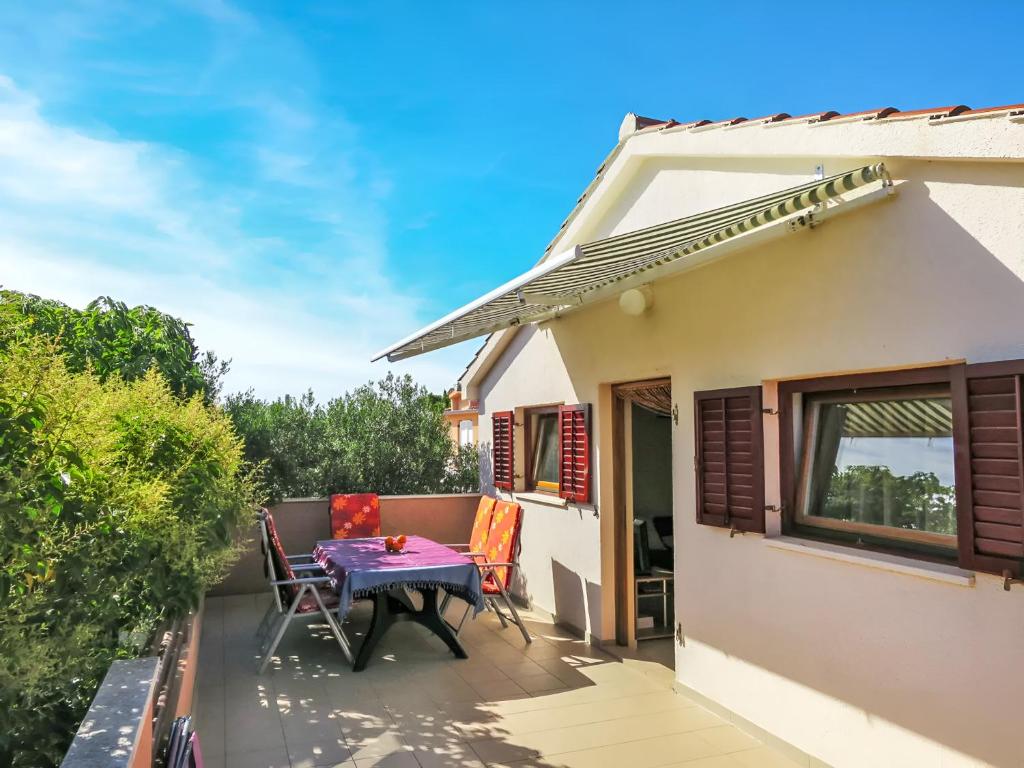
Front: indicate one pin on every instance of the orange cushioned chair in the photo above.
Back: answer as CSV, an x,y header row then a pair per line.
x,y
355,515
481,526
477,537
497,560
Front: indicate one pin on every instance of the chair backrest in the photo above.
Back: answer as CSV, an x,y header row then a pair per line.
x,y
278,567
503,539
663,527
482,524
355,515
641,547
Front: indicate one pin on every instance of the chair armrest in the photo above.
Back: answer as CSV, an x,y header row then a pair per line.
x,y
497,565
307,567
305,580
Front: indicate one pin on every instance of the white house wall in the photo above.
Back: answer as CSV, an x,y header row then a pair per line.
x,y
854,664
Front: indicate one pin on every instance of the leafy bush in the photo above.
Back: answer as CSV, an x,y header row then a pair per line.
x,y
112,339
118,503
388,437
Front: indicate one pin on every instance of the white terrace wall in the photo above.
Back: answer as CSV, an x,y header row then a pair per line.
x,y
855,665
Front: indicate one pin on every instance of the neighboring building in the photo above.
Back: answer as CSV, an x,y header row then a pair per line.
x,y
462,417
828,413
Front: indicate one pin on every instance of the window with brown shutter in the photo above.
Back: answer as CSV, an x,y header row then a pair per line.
x,y
730,458
502,449
990,467
574,460
869,460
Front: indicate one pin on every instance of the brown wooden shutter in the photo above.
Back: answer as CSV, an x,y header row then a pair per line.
x,y
730,458
989,452
574,455
503,454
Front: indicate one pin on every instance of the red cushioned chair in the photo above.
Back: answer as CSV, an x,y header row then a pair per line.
x,y
299,589
497,561
355,515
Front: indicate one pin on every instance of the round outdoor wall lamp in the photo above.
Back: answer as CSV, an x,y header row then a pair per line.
x,y
636,301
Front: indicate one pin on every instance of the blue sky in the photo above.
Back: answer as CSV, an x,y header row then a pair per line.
x,y
307,182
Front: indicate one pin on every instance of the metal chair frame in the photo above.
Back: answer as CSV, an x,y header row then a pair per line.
x,y
277,618
490,601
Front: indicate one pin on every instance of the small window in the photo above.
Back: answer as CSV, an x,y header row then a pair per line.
x,y
465,432
544,449
878,464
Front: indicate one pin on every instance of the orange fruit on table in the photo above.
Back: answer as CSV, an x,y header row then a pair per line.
x,y
400,541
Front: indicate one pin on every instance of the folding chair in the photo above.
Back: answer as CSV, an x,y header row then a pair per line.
x,y
477,537
481,526
355,515
299,590
183,749
497,561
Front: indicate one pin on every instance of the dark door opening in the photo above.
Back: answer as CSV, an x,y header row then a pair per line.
x,y
644,615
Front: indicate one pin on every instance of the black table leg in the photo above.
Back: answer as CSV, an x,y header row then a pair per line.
x,y
390,608
431,618
383,617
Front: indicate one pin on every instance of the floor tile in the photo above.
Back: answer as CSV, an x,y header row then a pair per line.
x,y
728,738
555,703
763,757
400,760
259,758
541,683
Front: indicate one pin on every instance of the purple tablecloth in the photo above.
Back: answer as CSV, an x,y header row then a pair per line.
x,y
359,567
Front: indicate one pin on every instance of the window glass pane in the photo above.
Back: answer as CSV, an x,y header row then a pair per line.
x,y
886,462
545,453
466,432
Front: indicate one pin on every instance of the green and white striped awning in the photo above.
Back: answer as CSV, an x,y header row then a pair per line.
x,y
924,417
606,267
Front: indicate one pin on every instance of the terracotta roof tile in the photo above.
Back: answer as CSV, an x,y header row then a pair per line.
x,y
647,122
694,124
1004,108
771,118
817,117
871,114
894,113
935,112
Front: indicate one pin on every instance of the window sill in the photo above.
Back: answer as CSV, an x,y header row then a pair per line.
x,y
921,569
537,497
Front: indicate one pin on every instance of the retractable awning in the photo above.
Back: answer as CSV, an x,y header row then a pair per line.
x,y
594,271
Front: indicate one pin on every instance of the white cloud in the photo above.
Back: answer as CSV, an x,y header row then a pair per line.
x,y
83,214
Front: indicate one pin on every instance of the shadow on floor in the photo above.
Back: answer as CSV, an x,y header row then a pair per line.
x,y
556,703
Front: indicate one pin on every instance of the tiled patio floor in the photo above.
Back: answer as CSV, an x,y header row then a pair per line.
x,y
558,703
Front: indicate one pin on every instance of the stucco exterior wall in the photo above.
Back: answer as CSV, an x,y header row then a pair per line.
x,y
856,664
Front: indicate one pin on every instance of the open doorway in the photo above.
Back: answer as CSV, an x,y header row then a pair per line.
x,y
645,577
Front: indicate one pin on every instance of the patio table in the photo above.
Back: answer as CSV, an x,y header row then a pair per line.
x,y
363,568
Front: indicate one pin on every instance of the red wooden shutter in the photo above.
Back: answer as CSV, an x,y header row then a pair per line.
x,y
574,456
989,454
730,458
503,455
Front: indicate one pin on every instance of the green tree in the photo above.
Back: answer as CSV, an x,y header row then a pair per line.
x,y
388,437
286,438
873,494
119,501
112,339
